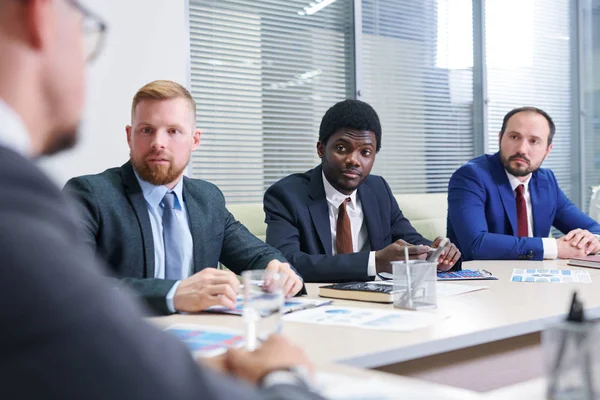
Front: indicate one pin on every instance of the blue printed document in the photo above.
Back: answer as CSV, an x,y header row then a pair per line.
x,y
206,341
550,275
290,305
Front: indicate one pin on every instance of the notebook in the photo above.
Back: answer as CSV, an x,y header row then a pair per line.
x,y
589,262
361,291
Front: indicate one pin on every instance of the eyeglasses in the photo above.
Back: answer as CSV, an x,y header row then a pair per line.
x,y
94,30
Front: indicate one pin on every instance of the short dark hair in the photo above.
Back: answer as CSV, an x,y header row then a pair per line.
x,y
352,114
534,110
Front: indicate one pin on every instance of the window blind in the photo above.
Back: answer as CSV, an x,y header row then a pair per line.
x,y
263,73
528,60
592,98
417,63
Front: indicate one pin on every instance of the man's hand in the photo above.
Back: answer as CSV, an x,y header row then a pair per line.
x,y
293,284
217,363
274,354
566,250
449,256
583,240
207,288
395,252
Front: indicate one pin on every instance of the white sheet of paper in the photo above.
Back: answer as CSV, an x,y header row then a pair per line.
x,y
444,289
366,318
550,275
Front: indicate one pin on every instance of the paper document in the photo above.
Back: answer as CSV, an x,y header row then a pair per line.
x,y
452,289
290,305
367,318
550,275
206,341
444,289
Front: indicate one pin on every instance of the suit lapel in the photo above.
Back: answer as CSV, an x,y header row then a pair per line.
x,y
505,190
371,212
317,207
539,193
136,197
198,224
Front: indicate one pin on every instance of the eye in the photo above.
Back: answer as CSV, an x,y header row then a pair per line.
x,y
535,141
366,153
513,137
340,147
174,131
147,130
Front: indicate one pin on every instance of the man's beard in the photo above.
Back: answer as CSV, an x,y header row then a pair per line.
x,y
158,174
518,172
59,141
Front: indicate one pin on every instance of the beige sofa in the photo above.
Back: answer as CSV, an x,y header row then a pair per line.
x,y
426,212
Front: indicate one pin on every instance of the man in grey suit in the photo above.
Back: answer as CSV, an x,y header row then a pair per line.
x,y
124,214
66,333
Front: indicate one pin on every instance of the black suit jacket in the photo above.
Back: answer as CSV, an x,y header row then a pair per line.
x,y
66,334
297,220
117,227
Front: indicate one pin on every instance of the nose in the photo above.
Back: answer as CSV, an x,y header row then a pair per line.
x,y
159,140
352,160
523,147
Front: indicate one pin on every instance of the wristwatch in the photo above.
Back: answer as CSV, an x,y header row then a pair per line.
x,y
297,375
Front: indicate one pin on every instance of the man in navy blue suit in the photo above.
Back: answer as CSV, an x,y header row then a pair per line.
x,y
502,206
336,222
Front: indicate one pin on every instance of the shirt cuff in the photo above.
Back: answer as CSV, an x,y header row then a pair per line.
x,y
550,248
371,269
170,296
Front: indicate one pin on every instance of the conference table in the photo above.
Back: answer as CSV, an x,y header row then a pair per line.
x,y
488,340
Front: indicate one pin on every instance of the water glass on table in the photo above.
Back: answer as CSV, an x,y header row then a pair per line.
x,y
414,284
263,305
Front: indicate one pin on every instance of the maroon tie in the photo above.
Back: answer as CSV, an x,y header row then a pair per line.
x,y
343,235
523,230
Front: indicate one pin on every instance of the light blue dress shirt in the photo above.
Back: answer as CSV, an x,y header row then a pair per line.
x,y
154,195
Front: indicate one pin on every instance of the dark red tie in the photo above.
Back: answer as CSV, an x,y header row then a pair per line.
x,y
523,229
343,235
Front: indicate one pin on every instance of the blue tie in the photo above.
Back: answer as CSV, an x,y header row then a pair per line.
x,y
172,241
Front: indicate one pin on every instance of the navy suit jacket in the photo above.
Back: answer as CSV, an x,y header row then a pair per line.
x,y
482,212
297,220
116,225
67,334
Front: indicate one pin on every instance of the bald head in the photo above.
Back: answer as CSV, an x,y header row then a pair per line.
x,y
42,69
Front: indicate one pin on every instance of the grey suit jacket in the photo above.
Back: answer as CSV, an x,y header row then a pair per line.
x,y
117,227
66,334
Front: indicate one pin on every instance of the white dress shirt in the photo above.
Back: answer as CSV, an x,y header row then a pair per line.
x,y
360,235
154,195
13,132
550,246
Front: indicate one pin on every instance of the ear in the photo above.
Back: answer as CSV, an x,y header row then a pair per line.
x,y
548,150
320,149
128,131
196,139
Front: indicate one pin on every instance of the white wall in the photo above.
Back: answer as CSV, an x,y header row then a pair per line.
x,y
146,40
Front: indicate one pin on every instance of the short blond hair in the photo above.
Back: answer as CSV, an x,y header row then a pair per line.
x,y
163,90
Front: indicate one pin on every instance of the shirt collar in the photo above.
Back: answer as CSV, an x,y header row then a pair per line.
x,y
514,182
154,194
13,132
336,198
